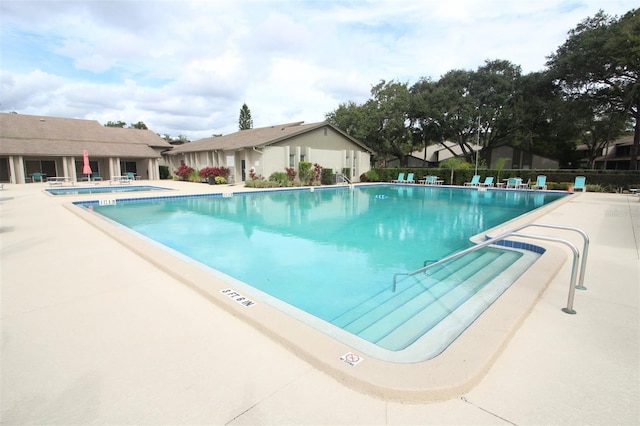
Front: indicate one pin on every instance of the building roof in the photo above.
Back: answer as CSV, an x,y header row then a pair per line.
x,y
53,136
259,137
446,147
623,141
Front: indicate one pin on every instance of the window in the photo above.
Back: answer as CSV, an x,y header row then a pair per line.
x,y
622,151
128,167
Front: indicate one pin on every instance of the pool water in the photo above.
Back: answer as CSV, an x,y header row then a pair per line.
x,y
79,190
331,251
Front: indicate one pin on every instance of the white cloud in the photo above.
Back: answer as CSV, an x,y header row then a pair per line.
x,y
186,67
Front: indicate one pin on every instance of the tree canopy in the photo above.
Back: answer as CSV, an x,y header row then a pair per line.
x,y
115,124
597,69
139,125
589,94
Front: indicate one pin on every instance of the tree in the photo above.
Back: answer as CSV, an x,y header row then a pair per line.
x,y
115,124
599,64
547,119
464,106
139,125
355,121
427,129
596,126
454,110
389,109
496,89
245,121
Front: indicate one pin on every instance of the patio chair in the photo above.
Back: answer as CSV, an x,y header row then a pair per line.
x,y
524,185
409,179
131,175
475,181
488,181
37,176
96,176
541,183
580,184
429,180
513,182
400,178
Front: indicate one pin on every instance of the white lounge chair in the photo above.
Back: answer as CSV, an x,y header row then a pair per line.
x,y
488,181
524,185
580,184
475,181
400,178
541,183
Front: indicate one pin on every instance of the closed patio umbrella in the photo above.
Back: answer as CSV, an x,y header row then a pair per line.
x,y
86,169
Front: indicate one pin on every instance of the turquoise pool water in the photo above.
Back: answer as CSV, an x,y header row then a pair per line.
x,y
329,251
79,190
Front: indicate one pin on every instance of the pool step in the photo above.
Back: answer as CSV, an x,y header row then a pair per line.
x,y
422,294
406,290
395,320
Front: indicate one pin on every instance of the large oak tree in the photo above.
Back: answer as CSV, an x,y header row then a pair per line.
x,y
598,67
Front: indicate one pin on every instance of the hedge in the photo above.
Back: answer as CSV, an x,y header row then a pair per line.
x,y
602,180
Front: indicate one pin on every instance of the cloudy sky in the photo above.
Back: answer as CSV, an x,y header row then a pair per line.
x,y
186,67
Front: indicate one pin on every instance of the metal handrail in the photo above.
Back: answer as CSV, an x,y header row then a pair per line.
x,y
345,179
585,247
513,232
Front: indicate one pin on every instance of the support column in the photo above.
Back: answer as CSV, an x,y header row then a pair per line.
x,y
20,172
152,169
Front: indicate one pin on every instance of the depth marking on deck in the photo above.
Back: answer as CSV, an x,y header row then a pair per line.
x,y
237,297
351,359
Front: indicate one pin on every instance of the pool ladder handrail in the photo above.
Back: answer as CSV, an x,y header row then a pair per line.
x,y
344,179
514,233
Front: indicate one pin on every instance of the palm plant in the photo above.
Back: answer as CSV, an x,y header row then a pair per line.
x,y
454,163
500,162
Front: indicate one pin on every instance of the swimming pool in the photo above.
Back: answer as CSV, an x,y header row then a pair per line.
x,y
80,190
331,252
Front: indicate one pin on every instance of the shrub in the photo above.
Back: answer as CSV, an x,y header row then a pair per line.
x,y
194,177
253,175
291,173
327,177
280,177
223,172
220,180
208,172
184,171
214,171
260,184
317,170
304,171
558,186
371,176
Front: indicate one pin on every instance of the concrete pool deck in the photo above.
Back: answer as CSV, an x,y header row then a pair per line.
x,y
93,333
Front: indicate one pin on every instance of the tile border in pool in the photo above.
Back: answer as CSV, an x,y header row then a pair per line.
x,y
69,190
519,245
457,370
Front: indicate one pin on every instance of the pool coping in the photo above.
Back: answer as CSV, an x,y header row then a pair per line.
x,y
458,369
